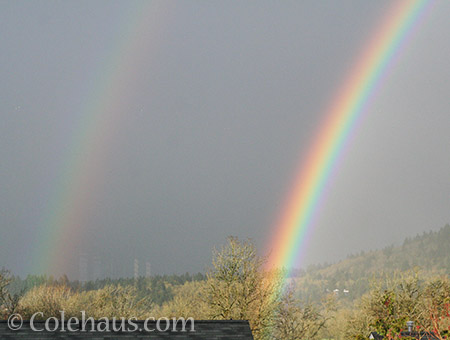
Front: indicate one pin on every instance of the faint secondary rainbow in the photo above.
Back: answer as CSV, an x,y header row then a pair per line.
x,y
63,227
352,98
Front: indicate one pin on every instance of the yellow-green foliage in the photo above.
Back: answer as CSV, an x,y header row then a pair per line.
x,y
188,302
238,288
435,306
115,301
108,302
295,320
428,252
49,300
406,297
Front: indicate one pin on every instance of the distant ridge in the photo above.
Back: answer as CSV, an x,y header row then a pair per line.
x,y
428,253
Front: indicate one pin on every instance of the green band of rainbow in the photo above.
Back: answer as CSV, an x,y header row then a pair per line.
x,y
345,110
63,227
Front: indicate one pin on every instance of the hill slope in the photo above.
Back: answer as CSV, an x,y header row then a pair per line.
x,y
429,253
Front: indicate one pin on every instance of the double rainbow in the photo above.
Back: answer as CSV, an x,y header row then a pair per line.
x,y
64,224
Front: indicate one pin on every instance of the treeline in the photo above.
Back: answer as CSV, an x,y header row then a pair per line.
x,y
428,253
236,287
390,303
342,301
157,288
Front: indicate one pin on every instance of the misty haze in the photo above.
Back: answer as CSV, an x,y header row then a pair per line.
x,y
137,137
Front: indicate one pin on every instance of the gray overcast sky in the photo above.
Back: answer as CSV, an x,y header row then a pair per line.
x,y
225,99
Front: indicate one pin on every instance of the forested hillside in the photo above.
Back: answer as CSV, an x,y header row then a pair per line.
x,y
378,290
428,253
157,289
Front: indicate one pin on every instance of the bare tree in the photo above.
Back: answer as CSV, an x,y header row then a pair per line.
x,y
8,302
239,288
295,320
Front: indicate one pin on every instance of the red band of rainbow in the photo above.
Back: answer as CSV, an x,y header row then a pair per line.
x,y
342,116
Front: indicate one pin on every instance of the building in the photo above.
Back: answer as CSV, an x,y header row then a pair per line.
x,y
410,333
406,334
203,330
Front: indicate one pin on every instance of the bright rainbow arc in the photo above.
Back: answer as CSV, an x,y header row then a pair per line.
x,y
341,119
62,227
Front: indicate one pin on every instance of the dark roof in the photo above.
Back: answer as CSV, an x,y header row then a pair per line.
x,y
406,334
417,335
209,329
375,336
